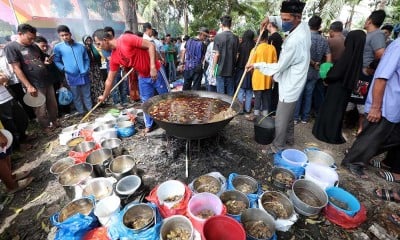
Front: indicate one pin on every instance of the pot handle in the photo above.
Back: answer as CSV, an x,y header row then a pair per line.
x,y
336,183
108,172
302,177
333,166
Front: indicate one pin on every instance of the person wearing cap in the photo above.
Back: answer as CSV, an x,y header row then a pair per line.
x,y
290,71
131,51
192,58
226,45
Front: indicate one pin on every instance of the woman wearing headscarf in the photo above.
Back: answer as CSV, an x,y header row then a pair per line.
x,y
97,83
341,80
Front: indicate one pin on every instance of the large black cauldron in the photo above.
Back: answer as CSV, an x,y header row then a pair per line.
x,y
196,130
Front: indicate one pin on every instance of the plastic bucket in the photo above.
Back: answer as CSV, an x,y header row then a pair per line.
x,y
176,224
223,227
353,205
264,130
202,202
106,209
170,193
321,175
294,157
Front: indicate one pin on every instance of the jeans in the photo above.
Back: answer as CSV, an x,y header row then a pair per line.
x,y
120,94
81,96
171,72
147,87
245,95
262,100
227,82
304,103
192,76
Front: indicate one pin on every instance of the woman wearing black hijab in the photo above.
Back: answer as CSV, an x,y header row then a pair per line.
x,y
341,80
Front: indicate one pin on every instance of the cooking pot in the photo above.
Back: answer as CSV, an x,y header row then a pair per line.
x,y
104,131
269,198
114,144
321,175
60,165
100,159
139,211
84,147
254,215
245,184
308,198
99,187
74,179
192,130
176,222
234,195
70,132
317,156
279,182
127,186
264,129
121,166
83,206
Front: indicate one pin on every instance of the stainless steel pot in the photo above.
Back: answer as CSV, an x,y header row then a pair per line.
x,y
84,147
75,178
280,182
139,211
60,165
99,188
245,184
253,216
234,195
82,205
128,185
308,198
121,166
114,144
100,159
269,201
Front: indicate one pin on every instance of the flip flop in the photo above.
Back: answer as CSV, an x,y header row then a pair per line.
x,y
388,176
378,164
21,175
22,184
386,194
393,219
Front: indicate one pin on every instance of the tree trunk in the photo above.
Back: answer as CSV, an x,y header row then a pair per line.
x,y
85,16
186,18
131,22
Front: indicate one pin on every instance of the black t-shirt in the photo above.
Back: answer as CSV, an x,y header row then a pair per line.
x,y
276,40
226,43
244,53
31,59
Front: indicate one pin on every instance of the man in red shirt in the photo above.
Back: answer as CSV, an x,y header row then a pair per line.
x,y
132,51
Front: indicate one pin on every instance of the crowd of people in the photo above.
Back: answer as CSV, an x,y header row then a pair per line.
x,y
290,69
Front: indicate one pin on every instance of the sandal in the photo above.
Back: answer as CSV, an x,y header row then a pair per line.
x,y
388,176
21,175
386,194
394,218
378,164
22,184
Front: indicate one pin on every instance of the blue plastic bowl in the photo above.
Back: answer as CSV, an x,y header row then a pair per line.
x,y
125,129
343,196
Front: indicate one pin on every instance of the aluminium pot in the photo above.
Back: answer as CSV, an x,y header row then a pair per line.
x,y
192,130
308,197
75,178
114,144
121,166
100,159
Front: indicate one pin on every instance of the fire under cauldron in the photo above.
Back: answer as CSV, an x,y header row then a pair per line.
x,y
192,130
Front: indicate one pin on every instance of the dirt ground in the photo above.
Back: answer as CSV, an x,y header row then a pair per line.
x,y
25,215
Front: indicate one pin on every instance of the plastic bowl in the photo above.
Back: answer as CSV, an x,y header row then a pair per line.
x,y
294,157
170,193
342,195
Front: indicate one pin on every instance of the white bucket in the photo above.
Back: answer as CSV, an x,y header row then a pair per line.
x,y
107,209
321,175
169,189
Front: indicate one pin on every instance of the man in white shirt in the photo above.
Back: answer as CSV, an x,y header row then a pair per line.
x,y
290,71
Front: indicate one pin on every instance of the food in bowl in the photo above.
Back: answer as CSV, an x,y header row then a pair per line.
x,y
205,214
339,203
235,207
139,222
308,197
277,208
75,141
173,198
207,183
191,110
284,178
178,233
258,229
